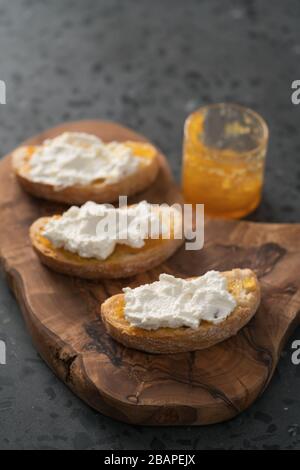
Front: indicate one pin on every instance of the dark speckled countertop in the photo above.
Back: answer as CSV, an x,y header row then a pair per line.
x,y
147,65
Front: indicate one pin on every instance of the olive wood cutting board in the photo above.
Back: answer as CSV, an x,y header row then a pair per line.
x,y
62,314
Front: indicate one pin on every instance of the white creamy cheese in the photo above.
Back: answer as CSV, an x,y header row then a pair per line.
x,y
79,158
173,302
93,230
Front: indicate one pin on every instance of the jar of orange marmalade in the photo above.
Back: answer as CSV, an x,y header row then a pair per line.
x,y
223,159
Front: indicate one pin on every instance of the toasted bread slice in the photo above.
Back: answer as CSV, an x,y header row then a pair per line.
x,y
242,284
99,191
125,261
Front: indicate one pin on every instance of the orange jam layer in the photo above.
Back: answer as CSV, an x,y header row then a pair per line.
x,y
236,286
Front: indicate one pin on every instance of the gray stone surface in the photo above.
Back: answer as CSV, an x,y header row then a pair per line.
x,y
147,65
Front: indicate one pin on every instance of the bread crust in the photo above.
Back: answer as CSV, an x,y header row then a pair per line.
x,y
124,262
100,192
177,340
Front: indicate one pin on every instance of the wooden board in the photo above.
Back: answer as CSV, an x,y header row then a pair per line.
x,y
62,314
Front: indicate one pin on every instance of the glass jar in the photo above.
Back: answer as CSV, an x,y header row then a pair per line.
x,y
223,159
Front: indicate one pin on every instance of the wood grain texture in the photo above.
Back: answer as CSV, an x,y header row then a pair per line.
x,y
62,314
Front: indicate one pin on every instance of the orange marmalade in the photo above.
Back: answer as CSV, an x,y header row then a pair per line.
x,y
224,170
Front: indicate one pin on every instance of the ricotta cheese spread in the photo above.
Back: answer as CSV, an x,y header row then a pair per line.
x,y
93,230
79,158
173,302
